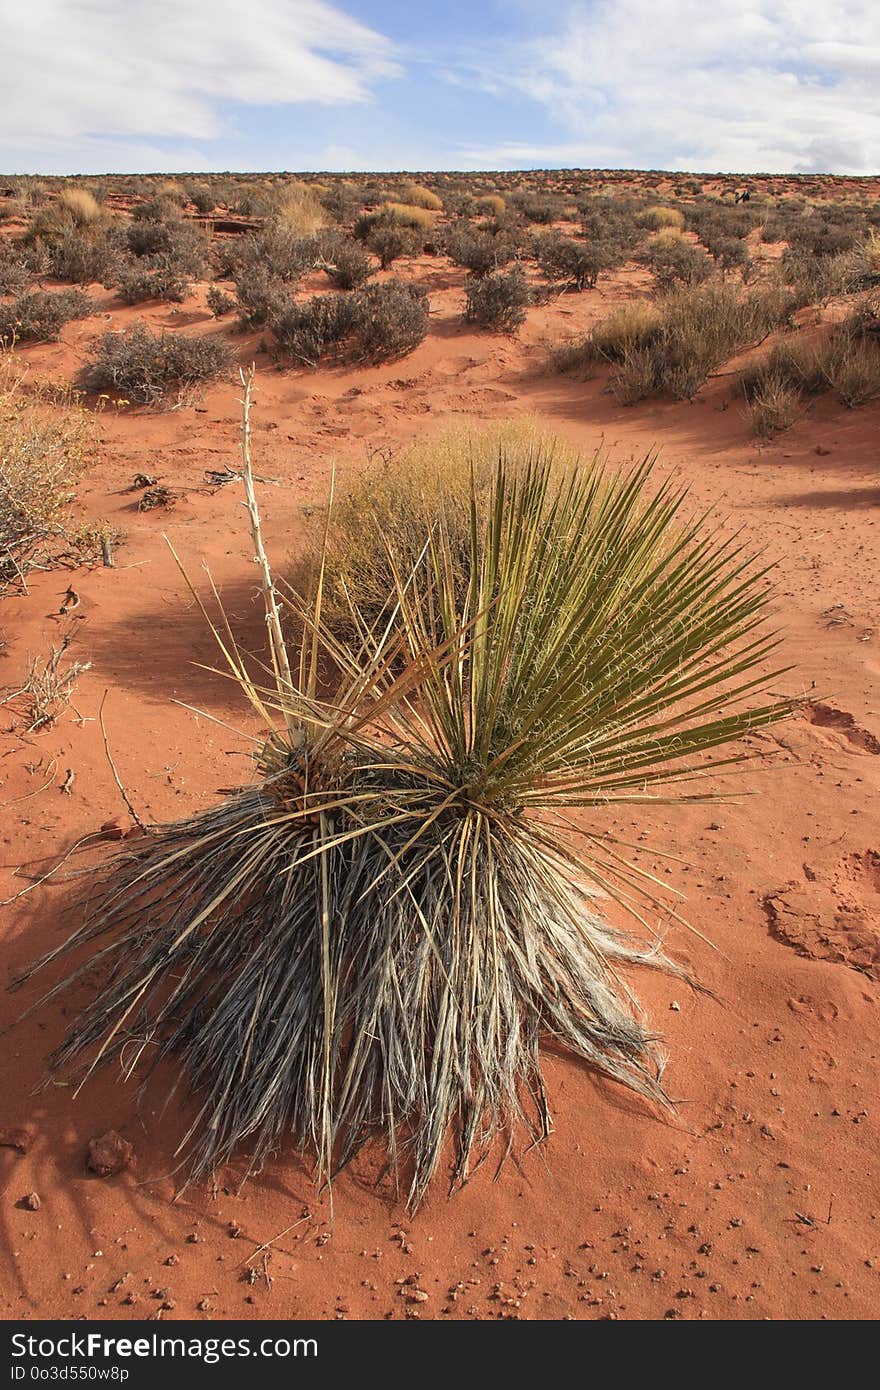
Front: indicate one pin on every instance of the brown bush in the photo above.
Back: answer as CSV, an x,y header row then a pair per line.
x,y
498,301
146,368
37,316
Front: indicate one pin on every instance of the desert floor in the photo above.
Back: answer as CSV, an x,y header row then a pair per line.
x,y
759,1198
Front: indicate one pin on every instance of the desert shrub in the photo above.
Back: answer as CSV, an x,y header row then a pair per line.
x,y
44,446
219,302
817,279
342,201
258,290
406,922
417,196
345,263
391,319
841,361
141,282
675,261
490,203
671,346
852,367
178,244
306,331
573,264
146,367
73,208
390,243
774,404
499,300
378,322
15,273
612,225
37,316
536,208
477,249
656,217
85,256
203,200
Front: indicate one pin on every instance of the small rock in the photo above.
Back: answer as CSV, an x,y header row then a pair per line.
x,y
109,1154
675,1006
31,1202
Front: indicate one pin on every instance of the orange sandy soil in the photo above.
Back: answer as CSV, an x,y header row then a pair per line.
x,y
759,1199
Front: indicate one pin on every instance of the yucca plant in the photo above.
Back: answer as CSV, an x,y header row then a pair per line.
x,y
377,933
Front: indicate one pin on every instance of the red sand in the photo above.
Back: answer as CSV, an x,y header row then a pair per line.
x,y
760,1199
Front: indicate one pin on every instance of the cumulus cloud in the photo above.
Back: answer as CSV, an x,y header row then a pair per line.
x,y
82,78
738,85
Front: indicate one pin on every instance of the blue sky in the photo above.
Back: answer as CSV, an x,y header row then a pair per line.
x,y
737,85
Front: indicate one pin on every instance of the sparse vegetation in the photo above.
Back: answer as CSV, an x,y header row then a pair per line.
x,y
38,316
147,368
499,300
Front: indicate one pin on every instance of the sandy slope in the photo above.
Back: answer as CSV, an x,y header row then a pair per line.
x,y
761,1198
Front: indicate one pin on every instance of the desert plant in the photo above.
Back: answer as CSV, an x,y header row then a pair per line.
x,y
491,203
672,345
85,256
45,444
498,301
307,330
345,263
16,274
390,243
403,215
301,210
658,216
478,250
37,316
146,367
379,931
417,196
141,282
219,302
575,265
167,237
47,688
774,404
677,262
391,319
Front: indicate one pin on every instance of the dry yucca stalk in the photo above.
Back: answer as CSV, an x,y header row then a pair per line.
x,y
378,932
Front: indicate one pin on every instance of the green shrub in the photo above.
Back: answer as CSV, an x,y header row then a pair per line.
x,y
390,243
391,319
86,256
139,283
478,250
219,302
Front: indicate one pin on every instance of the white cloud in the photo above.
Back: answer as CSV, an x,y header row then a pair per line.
x,y
81,75
738,85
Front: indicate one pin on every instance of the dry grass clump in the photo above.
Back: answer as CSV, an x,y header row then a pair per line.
x,y
658,216
301,210
380,522
405,215
498,301
845,361
147,367
37,316
47,688
672,345
377,933
774,404
45,444
73,208
491,204
417,196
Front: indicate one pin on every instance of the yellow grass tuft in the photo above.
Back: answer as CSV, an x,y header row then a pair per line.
x,y
405,215
659,216
491,203
417,196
